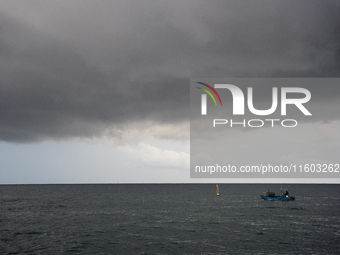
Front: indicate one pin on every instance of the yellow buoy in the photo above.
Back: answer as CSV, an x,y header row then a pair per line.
x,y
217,190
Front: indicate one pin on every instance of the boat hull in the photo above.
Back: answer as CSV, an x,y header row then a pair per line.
x,y
281,198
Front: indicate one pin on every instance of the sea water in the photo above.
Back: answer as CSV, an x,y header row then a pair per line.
x,y
168,219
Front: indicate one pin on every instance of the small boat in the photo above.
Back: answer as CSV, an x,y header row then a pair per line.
x,y
217,190
283,197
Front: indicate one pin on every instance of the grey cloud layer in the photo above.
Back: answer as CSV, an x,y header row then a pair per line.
x,y
74,69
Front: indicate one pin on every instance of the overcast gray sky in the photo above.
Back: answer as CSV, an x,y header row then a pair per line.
x,y
98,78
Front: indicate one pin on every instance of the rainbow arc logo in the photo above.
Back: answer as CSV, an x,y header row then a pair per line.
x,y
208,92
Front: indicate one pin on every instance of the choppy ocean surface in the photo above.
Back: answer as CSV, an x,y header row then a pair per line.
x,y
168,219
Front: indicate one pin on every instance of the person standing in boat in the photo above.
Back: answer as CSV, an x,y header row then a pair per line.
x,y
284,192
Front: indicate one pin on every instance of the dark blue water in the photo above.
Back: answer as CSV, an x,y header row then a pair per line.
x,y
168,219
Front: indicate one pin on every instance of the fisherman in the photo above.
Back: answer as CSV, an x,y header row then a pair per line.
x,y
284,192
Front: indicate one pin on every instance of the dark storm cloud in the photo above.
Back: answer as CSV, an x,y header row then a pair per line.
x,y
74,69
49,90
